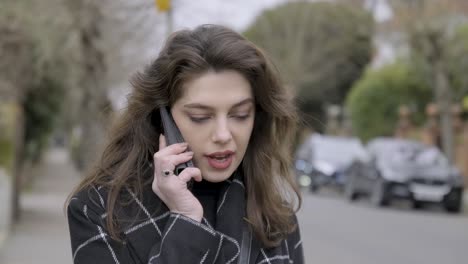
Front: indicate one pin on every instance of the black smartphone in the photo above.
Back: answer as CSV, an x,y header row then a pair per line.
x,y
173,136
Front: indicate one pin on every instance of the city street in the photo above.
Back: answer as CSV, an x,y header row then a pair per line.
x,y
366,96
336,231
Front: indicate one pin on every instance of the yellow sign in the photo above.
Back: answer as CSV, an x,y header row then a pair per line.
x,y
163,5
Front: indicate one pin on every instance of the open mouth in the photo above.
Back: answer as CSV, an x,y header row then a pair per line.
x,y
221,158
220,161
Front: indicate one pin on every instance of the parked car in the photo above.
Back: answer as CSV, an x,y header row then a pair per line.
x,y
405,169
324,160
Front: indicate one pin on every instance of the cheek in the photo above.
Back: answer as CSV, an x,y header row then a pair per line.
x,y
243,134
193,139
187,129
195,136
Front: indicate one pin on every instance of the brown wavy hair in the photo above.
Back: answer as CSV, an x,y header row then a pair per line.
x,y
272,195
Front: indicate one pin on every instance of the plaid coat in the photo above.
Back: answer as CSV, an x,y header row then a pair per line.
x,y
152,234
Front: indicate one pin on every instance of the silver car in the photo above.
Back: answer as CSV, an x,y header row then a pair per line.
x,y
405,169
324,160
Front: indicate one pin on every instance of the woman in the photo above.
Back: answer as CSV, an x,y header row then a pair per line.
x,y
237,121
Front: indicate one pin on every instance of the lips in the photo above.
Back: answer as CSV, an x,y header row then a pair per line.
x,y
220,160
220,154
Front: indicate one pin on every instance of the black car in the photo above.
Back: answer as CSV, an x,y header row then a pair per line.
x,y
405,169
324,160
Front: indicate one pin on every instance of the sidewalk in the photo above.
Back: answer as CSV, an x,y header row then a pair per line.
x,y
42,234
5,205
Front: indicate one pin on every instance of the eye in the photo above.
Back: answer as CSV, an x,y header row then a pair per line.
x,y
241,114
242,117
199,119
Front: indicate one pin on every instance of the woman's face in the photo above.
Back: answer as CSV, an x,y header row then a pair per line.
x,y
215,116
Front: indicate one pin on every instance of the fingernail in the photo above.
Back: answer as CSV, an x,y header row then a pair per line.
x,y
189,152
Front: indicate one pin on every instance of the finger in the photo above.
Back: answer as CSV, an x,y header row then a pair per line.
x,y
160,168
162,141
188,173
168,150
171,149
180,158
169,162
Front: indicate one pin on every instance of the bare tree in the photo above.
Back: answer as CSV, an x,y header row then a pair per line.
x,y
32,45
429,26
320,48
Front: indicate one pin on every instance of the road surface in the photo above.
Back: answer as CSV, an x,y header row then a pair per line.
x,y
337,231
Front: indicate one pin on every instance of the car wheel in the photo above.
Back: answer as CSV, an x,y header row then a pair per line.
x,y
379,196
417,204
453,202
350,192
313,188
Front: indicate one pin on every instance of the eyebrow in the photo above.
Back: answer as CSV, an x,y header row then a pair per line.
x,y
202,106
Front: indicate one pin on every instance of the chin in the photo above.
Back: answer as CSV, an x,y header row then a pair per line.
x,y
216,177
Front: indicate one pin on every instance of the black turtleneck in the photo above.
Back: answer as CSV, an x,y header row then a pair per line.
x,y
208,193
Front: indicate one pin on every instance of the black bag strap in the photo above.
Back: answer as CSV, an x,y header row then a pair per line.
x,y
246,245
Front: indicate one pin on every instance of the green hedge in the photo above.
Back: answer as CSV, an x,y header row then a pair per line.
x,y
6,154
8,116
374,100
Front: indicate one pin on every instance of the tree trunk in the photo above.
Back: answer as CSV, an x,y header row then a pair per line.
x,y
95,106
443,98
18,163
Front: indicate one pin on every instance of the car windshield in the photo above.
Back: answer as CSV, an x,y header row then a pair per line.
x,y
337,150
398,151
431,156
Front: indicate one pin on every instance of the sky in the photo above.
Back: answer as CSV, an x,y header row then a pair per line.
x,y
239,14
235,14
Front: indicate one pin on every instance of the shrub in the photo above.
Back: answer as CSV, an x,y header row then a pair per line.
x,y
374,100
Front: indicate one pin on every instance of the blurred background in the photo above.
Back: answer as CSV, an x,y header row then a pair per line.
x,y
382,152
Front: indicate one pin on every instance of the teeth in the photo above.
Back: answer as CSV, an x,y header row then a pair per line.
x,y
220,157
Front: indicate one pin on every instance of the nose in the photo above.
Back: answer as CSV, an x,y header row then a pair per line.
x,y
222,133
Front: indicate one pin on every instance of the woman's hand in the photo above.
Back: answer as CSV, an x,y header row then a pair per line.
x,y
172,189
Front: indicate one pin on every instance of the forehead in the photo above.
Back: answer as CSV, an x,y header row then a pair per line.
x,y
214,89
